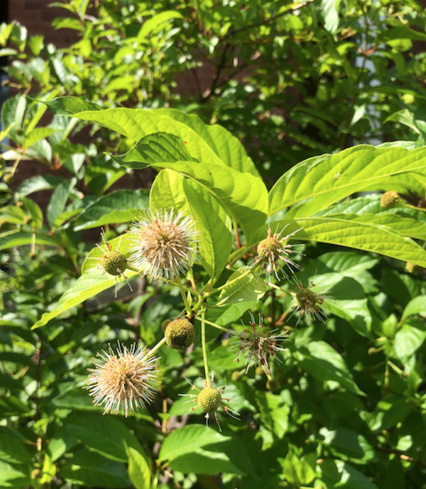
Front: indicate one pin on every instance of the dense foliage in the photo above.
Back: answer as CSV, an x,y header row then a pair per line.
x,y
338,399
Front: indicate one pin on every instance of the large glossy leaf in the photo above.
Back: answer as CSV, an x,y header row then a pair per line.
x,y
188,440
105,435
243,195
139,470
209,462
337,473
87,286
137,123
222,142
365,236
118,206
324,363
328,179
172,190
92,470
12,448
23,238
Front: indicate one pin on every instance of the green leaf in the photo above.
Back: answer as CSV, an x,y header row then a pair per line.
x,y
348,442
330,11
243,195
12,448
105,435
69,105
92,470
207,462
14,475
344,297
222,142
415,306
188,440
324,363
151,24
344,231
36,135
137,123
40,182
116,207
330,178
139,469
408,340
22,238
336,473
299,470
242,286
87,286
171,190
274,412
154,148
59,199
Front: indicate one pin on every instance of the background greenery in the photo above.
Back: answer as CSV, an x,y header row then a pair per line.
x,y
347,404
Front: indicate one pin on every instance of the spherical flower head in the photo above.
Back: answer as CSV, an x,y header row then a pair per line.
x,y
389,199
165,244
258,346
273,252
114,262
123,380
209,400
179,334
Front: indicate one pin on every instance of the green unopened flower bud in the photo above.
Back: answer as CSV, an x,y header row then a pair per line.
x,y
114,262
209,400
179,334
389,199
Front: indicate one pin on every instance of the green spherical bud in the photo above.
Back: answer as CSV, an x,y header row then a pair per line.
x,y
389,199
209,400
268,247
114,262
179,334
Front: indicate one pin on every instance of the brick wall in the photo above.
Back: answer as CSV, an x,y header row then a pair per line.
x,y
37,16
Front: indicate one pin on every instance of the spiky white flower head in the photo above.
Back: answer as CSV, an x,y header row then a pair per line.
x,y
165,244
123,380
258,346
273,253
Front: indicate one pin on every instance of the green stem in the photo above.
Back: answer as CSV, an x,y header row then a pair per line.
x,y
133,269
184,298
204,345
212,324
153,350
